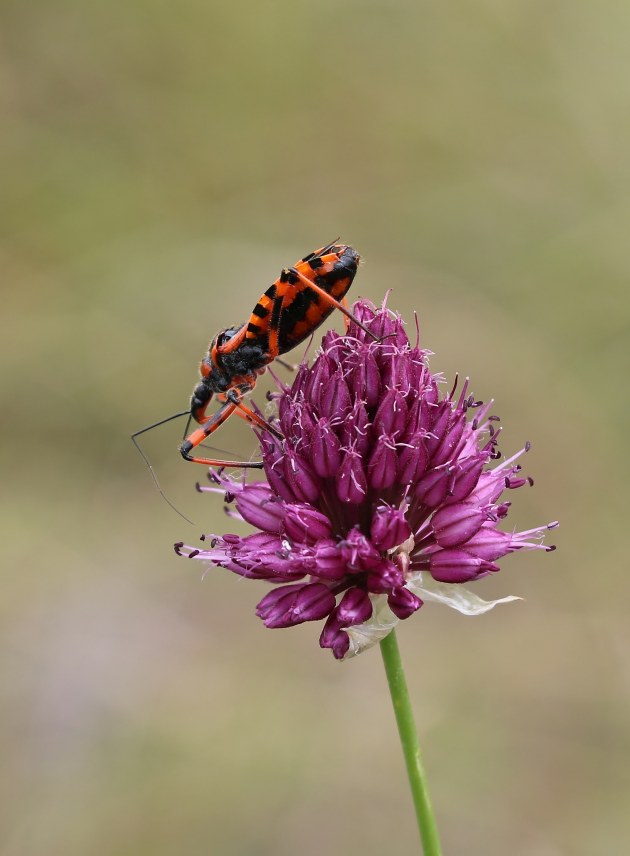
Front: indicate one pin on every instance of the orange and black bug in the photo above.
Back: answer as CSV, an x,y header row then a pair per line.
x,y
290,310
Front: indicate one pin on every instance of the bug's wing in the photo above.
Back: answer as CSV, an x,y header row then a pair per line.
x,y
289,311
297,310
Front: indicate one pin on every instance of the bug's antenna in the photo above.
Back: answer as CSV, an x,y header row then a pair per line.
x,y
148,463
162,422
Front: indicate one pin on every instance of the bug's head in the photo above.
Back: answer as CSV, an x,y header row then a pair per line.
x,y
214,376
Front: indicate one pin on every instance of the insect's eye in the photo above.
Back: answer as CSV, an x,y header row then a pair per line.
x,y
225,336
222,338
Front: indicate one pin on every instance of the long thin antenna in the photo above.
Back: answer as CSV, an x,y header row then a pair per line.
x,y
148,463
161,422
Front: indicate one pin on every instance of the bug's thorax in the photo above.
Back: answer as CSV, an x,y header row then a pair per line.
x,y
245,360
222,371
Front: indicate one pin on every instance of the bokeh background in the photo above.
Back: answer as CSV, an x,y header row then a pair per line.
x,y
160,163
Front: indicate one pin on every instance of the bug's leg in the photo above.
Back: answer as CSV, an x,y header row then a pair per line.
x,y
233,343
200,434
333,302
289,366
246,413
231,403
346,320
233,397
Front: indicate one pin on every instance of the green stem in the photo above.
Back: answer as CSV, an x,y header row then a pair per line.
x,y
411,749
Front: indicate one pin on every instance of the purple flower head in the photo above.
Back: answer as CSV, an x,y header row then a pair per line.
x,y
382,493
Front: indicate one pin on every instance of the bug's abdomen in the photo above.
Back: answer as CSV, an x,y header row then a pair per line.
x,y
332,269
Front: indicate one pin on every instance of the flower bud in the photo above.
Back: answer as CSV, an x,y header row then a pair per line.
x,y
454,524
355,607
302,480
391,415
295,604
260,507
334,398
325,449
458,566
383,464
350,481
389,528
403,602
332,636
306,524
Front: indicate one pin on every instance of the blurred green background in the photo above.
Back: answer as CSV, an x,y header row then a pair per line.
x,y
160,163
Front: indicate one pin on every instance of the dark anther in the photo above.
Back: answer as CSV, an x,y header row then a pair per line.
x,y
178,547
452,392
193,553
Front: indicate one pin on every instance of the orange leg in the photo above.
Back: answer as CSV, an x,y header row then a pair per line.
x,y
330,299
249,415
346,319
235,342
232,403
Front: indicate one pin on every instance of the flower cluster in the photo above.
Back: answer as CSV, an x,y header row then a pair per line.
x,y
381,494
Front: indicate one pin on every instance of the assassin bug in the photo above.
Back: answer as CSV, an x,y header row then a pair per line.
x,y
290,310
